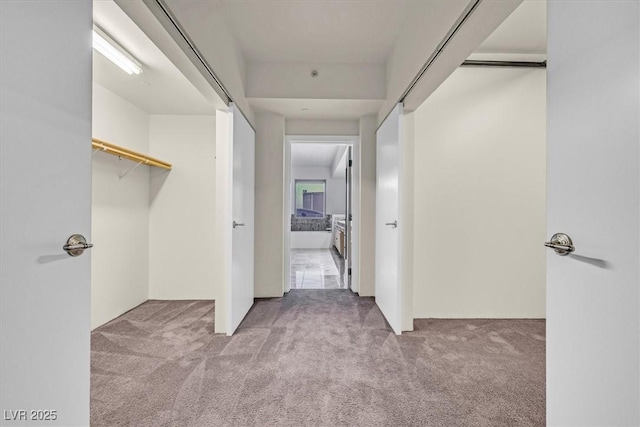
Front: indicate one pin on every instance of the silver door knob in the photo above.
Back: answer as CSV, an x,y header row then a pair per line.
x,y
561,244
237,224
76,245
393,224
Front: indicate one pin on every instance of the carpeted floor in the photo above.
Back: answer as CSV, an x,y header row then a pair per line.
x,y
314,358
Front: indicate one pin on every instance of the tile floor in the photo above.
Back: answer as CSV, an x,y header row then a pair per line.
x,y
315,269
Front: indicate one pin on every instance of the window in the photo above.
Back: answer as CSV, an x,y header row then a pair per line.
x,y
310,198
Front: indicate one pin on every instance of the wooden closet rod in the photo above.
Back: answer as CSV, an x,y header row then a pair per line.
x,y
128,154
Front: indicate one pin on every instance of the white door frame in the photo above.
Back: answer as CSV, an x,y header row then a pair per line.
x,y
354,142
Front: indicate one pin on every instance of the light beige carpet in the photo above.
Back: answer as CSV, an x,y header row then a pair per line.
x,y
314,358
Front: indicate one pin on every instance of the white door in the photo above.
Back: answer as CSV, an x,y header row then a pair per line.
x,y
242,284
593,297
388,155
235,173
45,196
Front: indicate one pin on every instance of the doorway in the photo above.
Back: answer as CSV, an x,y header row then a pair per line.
x,y
147,113
320,206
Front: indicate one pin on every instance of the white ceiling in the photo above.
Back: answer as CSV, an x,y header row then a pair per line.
x,y
161,88
314,154
238,37
314,31
235,36
523,32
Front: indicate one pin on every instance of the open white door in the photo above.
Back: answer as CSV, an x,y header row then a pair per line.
x,y
388,291
242,223
45,197
593,297
235,173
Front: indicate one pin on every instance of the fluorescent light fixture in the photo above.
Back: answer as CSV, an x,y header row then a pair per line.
x,y
114,52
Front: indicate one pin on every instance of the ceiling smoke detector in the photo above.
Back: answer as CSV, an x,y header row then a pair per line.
x,y
314,73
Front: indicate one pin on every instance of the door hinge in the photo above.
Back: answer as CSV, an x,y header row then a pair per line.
x,y
349,271
350,217
350,163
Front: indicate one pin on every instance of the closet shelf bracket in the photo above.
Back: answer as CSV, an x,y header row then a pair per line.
x,y
130,169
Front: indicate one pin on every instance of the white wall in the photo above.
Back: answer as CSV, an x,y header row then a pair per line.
x,y
120,210
367,231
182,258
480,196
335,190
323,127
271,200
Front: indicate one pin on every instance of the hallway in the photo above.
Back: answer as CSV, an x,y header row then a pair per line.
x,y
314,357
